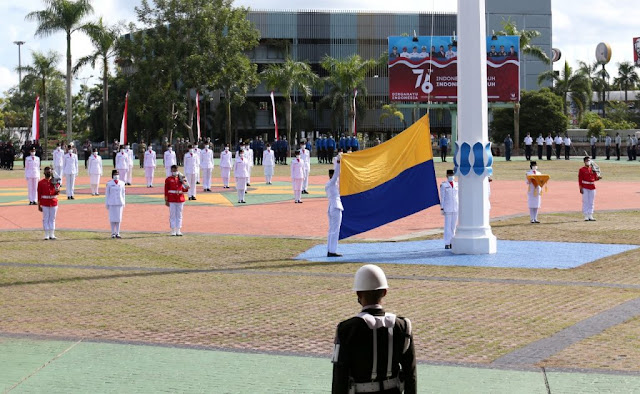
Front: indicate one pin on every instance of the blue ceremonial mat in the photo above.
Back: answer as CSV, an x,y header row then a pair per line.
x,y
511,254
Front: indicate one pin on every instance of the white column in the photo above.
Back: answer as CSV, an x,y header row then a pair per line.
x,y
473,158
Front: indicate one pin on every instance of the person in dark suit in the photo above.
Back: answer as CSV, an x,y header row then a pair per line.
x,y
354,352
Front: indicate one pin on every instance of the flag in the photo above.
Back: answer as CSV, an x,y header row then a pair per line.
x,y
198,114
388,182
35,121
123,127
355,94
275,120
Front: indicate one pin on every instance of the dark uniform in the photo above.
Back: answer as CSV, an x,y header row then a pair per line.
x,y
142,147
10,155
354,354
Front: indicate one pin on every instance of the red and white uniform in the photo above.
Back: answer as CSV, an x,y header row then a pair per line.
x,y
174,194
48,201
587,181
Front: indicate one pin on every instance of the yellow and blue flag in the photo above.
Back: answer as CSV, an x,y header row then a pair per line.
x,y
388,182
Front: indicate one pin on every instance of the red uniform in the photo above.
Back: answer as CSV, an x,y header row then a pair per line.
x,y
174,190
587,178
47,193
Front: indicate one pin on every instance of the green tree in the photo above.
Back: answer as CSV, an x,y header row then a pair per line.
x,y
67,16
286,78
509,28
569,85
627,78
599,77
391,111
103,38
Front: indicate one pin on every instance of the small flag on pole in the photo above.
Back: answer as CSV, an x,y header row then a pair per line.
x,y
198,114
35,121
123,127
355,94
275,120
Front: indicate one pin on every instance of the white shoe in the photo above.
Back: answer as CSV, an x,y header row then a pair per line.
x,y
173,231
46,236
52,235
178,233
586,218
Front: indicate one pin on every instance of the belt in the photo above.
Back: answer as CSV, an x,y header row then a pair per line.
x,y
374,387
587,183
176,192
48,197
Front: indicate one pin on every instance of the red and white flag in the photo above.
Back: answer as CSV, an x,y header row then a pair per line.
x,y
198,114
35,121
355,94
123,127
275,120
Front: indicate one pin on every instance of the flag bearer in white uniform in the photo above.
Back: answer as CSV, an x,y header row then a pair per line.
x,y
149,165
70,170
196,152
206,164
190,170
248,155
305,155
168,160
332,188
122,164
226,161
114,198
268,163
449,207
95,171
58,162
241,172
534,194
128,176
297,177
32,174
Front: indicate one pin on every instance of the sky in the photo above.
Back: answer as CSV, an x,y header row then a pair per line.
x,y
578,26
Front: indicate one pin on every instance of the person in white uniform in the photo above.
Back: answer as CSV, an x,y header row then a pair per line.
x,y
94,166
58,162
332,188
128,176
297,177
114,198
149,165
206,164
190,170
168,160
534,194
449,207
32,174
268,163
226,161
122,164
241,172
70,170
196,152
248,155
305,155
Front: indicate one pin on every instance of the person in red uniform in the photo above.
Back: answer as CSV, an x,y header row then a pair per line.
x,y
587,182
174,188
48,203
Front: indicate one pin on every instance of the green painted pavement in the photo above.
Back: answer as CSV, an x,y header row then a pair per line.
x,y
82,367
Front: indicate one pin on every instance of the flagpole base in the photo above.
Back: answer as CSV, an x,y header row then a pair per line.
x,y
474,241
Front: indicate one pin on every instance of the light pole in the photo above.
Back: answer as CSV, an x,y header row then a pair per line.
x,y
19,44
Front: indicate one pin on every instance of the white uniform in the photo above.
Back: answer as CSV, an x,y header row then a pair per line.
x,y
268,162
70,170
196,151
114,198
332,188
206,164
149,166
528,140
190,171
248,155
297,178
241,172
534,197
129,174
449,207
225,167
58,162
32,174
94,166
305,155
122,165
169,160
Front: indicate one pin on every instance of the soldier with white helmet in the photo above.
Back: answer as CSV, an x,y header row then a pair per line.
x,y
373,351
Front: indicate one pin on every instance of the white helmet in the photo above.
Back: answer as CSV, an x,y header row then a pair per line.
x,y
370,277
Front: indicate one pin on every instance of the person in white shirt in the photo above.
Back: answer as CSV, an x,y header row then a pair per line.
x,y
70,171
149,165
567,147
95,171
297,177
449,207
190,170
332,188
248,154
618,141
58,162
592,142
607,147
305,155
169,159
241,172
114,198
268,162
540,143
196,152
548,142
32,174
558,141
225,166
128,175
528,141
123,164
534,193
206,164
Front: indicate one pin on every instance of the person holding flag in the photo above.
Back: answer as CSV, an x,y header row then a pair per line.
x,y
449,207
332,188
174,188
48,190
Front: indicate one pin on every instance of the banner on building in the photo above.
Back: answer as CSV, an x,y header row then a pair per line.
x,y
636,51
425,68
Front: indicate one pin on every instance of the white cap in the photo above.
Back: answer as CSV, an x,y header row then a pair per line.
x,y
370,277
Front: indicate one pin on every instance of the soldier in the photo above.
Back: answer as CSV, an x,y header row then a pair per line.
x,y
86,150
558,141
129,174
549,145
342,143
95,171
607,146
225,166
123,164
331,146
142,148
32,174
618,145
174,188
259,150
332,188
206,164
268,162
10,153
355,144
449,207
190,168
165,145
70,170
169,159
39,151
115,148
285,150
58,161
320,142
114,199
534,193
149,165
297,177
592,141
508,144
25,149
587,183
373,351
444,144
305,155
241,172
48,189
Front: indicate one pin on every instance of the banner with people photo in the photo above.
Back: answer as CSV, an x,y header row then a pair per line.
x,y
636,51
425,68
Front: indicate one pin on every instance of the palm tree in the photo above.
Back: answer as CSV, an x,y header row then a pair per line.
x,y
575,86
104,40
345,76
288,77
390,111
599,77
62,15
627,77
39,74
509,28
